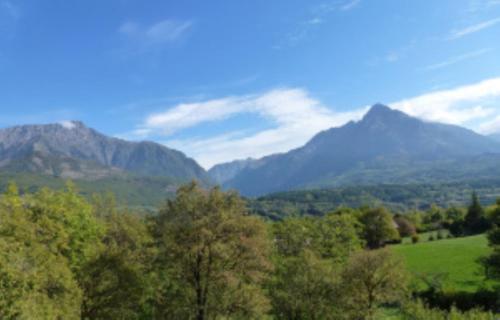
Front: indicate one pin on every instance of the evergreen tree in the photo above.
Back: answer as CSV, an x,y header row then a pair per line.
x,y
475,220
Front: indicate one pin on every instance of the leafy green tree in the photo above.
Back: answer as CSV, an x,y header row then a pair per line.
x,y
336,237
304,287
294,235
212,256
67,225
370,279
36,281
378,228
115,283
475,220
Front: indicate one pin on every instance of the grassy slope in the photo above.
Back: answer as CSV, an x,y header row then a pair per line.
x,y
455,257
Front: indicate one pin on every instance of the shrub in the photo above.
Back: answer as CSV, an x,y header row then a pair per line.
x,y
431,237
415,238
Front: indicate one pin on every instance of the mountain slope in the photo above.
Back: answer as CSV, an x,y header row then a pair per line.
x,y
72,150
385,145
495,136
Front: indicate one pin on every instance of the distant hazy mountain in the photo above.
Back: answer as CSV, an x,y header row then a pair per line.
x,y
72,150
224,172
385,146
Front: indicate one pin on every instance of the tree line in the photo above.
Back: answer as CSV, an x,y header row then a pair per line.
x,y
204,257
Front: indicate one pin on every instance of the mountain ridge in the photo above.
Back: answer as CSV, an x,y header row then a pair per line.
x,y
73,150
384,138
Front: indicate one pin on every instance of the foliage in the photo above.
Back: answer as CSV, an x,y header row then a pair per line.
x,y
378,227
36,279
370,279
65,256
475,220
116,281
416,310
304,287
397,198
215,251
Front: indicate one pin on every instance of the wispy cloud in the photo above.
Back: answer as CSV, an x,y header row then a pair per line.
x,y
462,105
293,114
317,15
145,37
350,5
457,34
491,126
457,59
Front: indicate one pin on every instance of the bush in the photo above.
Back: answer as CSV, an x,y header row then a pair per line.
x,y
440,235
415,238
431,237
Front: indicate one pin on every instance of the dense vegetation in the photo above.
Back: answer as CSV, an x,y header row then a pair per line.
x,y
398,198
204,257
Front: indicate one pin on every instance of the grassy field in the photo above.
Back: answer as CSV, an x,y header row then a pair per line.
x,y
456,259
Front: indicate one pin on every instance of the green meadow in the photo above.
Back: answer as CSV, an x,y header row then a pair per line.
x,y
454,260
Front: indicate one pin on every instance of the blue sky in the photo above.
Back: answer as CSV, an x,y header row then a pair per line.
x,y
222,80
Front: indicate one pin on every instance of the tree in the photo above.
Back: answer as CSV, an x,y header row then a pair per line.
x,y
36,281
336,237
115,283
308,257
294,235
378,228
304,287
212,256
405,227
66,224
372,278
491,263
495,213
475,220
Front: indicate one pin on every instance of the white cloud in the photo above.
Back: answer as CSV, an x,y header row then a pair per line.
x,y
457,59
491,126
459,106
457,34
350,5
191,114
67,124
296,117
165,31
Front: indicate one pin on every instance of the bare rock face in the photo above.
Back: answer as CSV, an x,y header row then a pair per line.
x,y
72,150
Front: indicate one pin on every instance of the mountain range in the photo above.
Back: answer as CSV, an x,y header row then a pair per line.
x,y
72,150
140,173
386,146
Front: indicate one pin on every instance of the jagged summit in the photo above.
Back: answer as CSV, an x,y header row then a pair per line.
x,y
372,150
71,149
382,112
